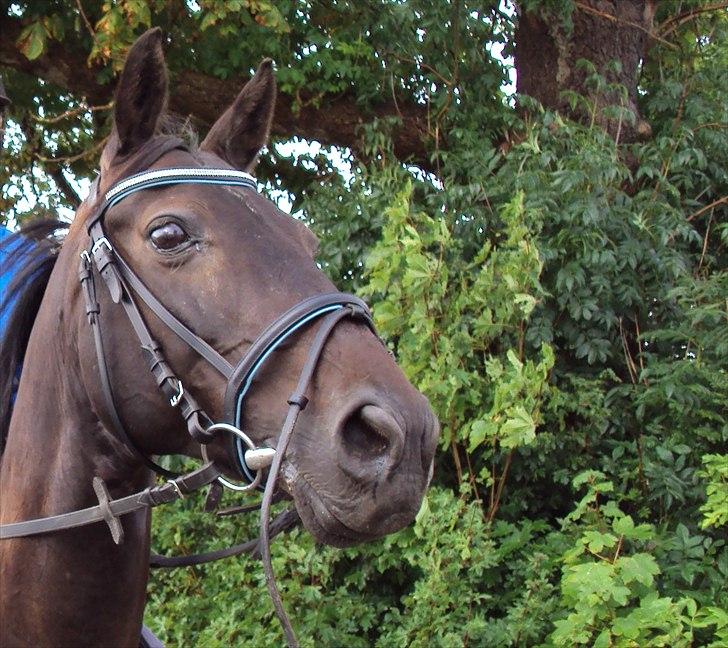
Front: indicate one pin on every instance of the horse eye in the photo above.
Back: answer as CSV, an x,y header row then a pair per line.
x,y
168,236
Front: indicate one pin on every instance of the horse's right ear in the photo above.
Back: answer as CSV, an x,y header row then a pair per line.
x,y
141,94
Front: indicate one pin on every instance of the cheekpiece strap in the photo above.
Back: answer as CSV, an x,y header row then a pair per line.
x,y
123,284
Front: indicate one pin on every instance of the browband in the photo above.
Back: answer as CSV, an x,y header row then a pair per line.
x,y
164,177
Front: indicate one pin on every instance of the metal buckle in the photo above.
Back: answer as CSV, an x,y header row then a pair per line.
x,y
177,398
85,256
99,242
177,488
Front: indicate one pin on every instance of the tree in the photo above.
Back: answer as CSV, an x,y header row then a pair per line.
x,y
549,267
613,36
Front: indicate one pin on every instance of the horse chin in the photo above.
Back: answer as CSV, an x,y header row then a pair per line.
x,y
317,517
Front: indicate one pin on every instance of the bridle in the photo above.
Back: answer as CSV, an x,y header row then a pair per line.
x,y
125,287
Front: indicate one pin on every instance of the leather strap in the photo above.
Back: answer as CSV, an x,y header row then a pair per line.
x,y
112,509
282,522
278,328
133,164
294,409
107,262
178,328
88,288
292,320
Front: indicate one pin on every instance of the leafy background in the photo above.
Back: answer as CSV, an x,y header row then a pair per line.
x,y
559,296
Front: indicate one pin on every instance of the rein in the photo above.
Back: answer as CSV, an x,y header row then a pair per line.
x,y
124,286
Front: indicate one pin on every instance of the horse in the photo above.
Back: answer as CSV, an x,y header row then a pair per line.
x,y
216,265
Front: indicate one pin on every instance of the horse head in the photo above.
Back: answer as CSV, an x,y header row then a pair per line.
x,y
227,263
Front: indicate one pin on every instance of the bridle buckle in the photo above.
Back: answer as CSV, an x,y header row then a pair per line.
x,y
176,487
99,242
177,398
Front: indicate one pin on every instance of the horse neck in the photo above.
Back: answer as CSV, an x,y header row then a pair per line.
x,y
56,445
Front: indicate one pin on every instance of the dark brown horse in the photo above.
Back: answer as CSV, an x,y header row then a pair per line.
x,y
226,262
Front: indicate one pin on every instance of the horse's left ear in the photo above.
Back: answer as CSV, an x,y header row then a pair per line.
x,y
243,128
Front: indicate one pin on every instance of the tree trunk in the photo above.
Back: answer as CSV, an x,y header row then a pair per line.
x,y
602,31
4,101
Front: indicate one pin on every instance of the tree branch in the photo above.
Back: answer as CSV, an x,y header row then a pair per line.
x,y
629,23
69,193
702,210
203,98
671,24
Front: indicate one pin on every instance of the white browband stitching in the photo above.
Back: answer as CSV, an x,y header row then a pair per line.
x,y
224,176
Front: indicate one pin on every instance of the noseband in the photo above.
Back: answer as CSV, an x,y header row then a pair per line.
x,y
125,287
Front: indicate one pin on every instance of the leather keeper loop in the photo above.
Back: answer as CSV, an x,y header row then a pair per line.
x,y
161,371
197,432
300,400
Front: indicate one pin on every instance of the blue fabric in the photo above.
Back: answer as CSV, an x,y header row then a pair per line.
x,y
7,273
6,276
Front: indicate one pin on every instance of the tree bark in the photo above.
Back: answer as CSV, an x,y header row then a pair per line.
x,y
603,31
4,101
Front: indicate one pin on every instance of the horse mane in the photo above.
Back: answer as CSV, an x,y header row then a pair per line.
x,y
30,254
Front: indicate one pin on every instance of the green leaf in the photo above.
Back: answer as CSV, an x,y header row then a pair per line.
x,y
603,640
640,567
518,430
623,526
32,40
597,541
628,627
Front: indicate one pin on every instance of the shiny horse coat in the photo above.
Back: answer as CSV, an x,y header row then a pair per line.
x,y
226,263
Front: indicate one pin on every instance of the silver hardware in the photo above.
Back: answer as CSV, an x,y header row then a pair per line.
x,y
177,398
225,427
99,242
85,256
177,488
259,458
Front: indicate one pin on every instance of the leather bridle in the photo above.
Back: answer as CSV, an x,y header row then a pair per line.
x,y
125,287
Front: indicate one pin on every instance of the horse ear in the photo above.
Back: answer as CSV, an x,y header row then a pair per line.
x,y
142,92
243,128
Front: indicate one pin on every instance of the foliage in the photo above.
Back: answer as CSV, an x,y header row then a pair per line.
x,y
715,509
559,297
609,587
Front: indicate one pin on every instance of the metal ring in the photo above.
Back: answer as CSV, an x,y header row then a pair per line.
x,y
225,427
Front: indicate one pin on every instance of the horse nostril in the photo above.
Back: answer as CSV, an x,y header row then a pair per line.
x,y
371,434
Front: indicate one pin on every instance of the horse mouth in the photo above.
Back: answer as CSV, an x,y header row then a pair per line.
x,y
318,518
